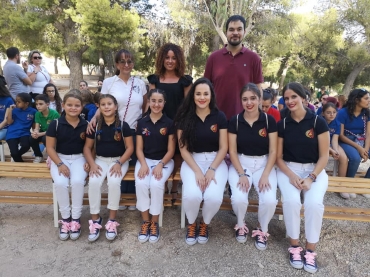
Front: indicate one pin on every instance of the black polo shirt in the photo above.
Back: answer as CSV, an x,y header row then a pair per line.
x,y
300,138
253,140
207,133
108,144
69,140
155,136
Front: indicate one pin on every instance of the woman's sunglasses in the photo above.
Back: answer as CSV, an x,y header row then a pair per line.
x,y
37,58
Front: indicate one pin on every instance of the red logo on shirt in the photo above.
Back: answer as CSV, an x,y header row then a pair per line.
x,y
310,133
163,131
214,128
262,132
117,136
83,135
146,132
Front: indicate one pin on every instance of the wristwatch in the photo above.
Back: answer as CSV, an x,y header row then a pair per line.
x,y
162,163
59,164
118,162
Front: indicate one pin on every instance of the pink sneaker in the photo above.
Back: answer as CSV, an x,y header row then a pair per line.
x,y
309,263
241,233
261,239
75,229
111,229
295,257
64,229
94,228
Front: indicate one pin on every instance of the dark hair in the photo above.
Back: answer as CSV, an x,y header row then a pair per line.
x,y
96,97
73,93
323,87
4,92
297,88
117,125
25,97
30,55
251,87
323,95
42,97
308,94
234,18
161,56
83,81
267,96
328,105
186,115
117,58
87,97
12,52
57,98
150,93
353,98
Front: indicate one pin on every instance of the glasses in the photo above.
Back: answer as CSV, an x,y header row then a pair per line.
x,y
51,91
37,58
326,98
128,62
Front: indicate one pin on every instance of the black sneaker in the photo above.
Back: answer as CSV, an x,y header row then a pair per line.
x,y
203,233
144,232
154,232
191,234
75,229
94,227
309,261
64,229
295,257
261,239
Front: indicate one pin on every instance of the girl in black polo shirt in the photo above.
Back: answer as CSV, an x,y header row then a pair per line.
x,y
202,135
114,146
155,146
65,139
252,149
302,154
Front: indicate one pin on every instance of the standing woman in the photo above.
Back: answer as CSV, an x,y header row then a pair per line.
x,y
170,77
302,154
252,149
37,73
202,136
355,130
130,94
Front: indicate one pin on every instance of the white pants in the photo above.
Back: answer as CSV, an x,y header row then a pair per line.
x,y
113,182
193,196
154,203
75,163
254,167
313,202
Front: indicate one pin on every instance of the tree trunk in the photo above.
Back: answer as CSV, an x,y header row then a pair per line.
x,y
215,43
348,85
55,65
75,67
283,75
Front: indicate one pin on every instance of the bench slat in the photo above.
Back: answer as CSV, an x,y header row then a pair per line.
x,y
24,200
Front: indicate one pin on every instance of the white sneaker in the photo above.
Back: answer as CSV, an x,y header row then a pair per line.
x,y
366,195
344,195
122,208
38,160
352,195
132,208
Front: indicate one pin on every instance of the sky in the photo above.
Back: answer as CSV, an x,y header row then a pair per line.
x,y
306,6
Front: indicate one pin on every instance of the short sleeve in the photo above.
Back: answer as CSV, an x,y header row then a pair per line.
x,y
222,121
171,129
281,101
232,125
142,88
186,80
138,128
272,128
30,68
280,127
342,116
20,73
126,131
52,132
9,101
321,125
153,79
91,136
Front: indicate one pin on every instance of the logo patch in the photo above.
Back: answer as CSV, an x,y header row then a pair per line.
x,y
163,131
83,135
146,132
262,132
310,133
214,128
117,136
30,116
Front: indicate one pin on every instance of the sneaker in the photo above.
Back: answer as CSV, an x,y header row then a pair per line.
x,y
122,208
352,195
203,233
295,257
261,239
191,234
94,227
111,229
310,264
241,233
38,160
366,195
132,208
344,195
144,232
154,232
75,229
64,229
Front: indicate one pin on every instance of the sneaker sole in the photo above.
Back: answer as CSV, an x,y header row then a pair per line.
x,y
154,241
109,238
63,239
202,241
296,266
241,240
74,238
93,239
259,247
309,270
191,242
143,241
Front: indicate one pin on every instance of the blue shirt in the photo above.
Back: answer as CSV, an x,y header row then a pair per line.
x,y
356,125
334,128
5,102
319,111
91,111
22,122
282,101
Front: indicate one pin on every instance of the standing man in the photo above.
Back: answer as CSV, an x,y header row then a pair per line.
x,y
321,92
232,67
15,77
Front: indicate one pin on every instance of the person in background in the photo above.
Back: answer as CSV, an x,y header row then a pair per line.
x,y
323,101
341,101
322,92
281,104
96,97
267,106
55,100
100,84
6,101
83,85
88,103
307,101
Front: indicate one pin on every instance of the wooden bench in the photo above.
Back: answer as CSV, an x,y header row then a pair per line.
x,y
40,171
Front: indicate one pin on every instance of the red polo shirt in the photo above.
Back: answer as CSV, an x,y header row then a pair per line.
x,y
229,74
275,114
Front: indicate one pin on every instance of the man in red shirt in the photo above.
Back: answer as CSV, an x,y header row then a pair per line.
x,y
266,106
232,67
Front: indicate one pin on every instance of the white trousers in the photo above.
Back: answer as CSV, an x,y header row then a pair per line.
x,y
149,184
75,163
113,182
254,167
193,196
313,202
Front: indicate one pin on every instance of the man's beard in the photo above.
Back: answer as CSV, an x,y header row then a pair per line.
x,y
19,59
234,43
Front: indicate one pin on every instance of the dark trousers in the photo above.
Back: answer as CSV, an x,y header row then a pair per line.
x,y
35,145
16,153
129,186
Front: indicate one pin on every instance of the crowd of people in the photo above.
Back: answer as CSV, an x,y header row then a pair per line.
x,y
221,128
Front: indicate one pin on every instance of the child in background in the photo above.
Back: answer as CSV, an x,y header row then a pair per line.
x,y
88,103
329,112
65,139
97,98
55,100
42,120
5,101
20,118
114,146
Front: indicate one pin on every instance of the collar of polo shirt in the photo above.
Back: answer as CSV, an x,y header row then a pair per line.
x,y
308,115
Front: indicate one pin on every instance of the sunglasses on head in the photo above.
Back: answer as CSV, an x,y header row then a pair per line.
x,y
37,58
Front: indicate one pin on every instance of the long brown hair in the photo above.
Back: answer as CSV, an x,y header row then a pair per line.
x,y
117,126
161,56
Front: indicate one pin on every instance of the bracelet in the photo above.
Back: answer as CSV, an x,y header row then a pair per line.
x,y
312,177
162,163
211,168
60,164
244,174
118,162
